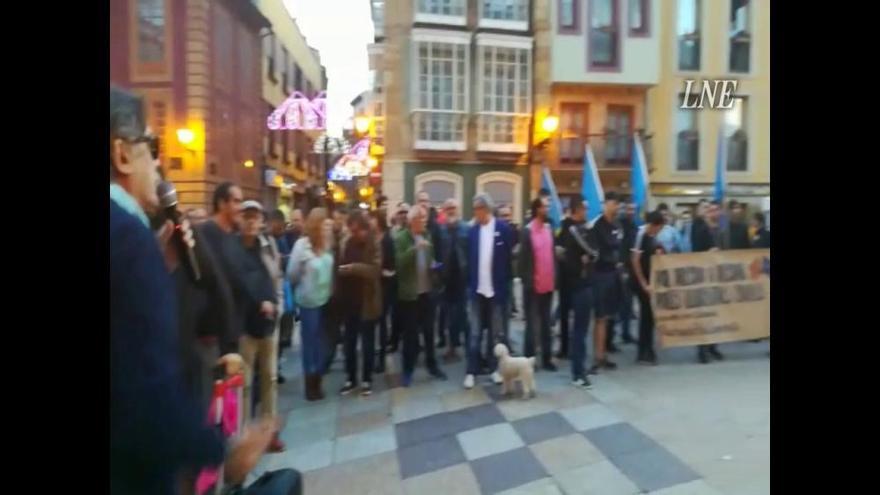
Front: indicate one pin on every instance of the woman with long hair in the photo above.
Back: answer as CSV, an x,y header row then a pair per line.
x,y
310,271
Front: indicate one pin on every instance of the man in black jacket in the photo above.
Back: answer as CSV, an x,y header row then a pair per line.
x,y
608,236
565,289
738,231
204,337
220,234
453,316
708,236
630,230
577,276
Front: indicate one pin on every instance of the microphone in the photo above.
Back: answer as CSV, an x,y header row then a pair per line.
x,y
168,202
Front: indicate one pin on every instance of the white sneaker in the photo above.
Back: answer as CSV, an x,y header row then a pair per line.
x,y
469,382
496,377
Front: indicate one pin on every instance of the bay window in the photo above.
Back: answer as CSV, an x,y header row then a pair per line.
x,y
504,14
440,94
504,96
441,11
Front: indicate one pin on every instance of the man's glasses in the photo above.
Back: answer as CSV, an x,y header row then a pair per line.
x,y
152,142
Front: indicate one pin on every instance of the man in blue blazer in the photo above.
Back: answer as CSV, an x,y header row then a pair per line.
x,y
490,243
158,430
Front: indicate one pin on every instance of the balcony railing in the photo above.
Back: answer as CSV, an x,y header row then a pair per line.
x,y
611,151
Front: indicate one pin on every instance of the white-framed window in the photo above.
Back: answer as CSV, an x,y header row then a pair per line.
x,y
505,188
687,137
688,33
736,133
440,89
504,14
504,93
452,12
440,186
740,47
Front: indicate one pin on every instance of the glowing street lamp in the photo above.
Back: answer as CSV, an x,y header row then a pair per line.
x,y
362,125
186,137
550,124
249,164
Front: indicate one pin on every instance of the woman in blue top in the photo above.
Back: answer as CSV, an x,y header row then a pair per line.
x,y
310,271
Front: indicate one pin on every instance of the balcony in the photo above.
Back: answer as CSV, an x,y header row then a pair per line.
x,y
439,130
503,133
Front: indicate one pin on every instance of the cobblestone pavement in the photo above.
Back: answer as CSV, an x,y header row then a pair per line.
x,y
680,428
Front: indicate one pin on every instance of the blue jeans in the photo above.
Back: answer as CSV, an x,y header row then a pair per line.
x,y
582,301
486,314
454,317
311,328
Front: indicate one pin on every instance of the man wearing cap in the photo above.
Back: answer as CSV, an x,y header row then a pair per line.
x,y
264,296
157,429
490,243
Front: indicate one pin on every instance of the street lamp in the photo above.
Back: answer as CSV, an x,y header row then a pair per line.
x,y
186,136
550,124
362,124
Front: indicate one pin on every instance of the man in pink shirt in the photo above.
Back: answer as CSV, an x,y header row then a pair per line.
x,y
537,270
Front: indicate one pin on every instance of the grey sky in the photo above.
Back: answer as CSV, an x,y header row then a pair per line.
x,y
340,30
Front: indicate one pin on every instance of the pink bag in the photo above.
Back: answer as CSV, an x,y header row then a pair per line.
x,y
225,414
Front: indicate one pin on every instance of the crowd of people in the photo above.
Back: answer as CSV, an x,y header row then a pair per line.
x,y
425,277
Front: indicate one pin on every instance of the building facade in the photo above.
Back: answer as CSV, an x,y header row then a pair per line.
x,y
289,64
712,40
197,65
457,95
601,61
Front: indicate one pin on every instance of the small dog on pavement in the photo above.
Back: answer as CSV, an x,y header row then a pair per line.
x,y
513,369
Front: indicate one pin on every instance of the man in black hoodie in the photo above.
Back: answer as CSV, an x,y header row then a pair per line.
x,y
738,231
565,288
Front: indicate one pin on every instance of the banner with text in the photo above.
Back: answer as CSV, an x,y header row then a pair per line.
x,y
705,298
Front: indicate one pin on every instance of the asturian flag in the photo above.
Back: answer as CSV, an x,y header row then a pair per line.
x,y
591,186
555,204
639,180
721,167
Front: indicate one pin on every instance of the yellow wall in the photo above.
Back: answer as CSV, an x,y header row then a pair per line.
x,y
663,98
287,35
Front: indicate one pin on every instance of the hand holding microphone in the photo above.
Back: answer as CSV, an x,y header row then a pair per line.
x,y
179,229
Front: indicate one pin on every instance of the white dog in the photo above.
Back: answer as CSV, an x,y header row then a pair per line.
x,y
514,369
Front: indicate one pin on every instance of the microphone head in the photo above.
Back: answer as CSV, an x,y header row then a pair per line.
x,y
167,194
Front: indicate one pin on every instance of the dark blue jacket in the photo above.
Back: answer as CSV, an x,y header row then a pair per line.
x,y
461,232
156,427
501,260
